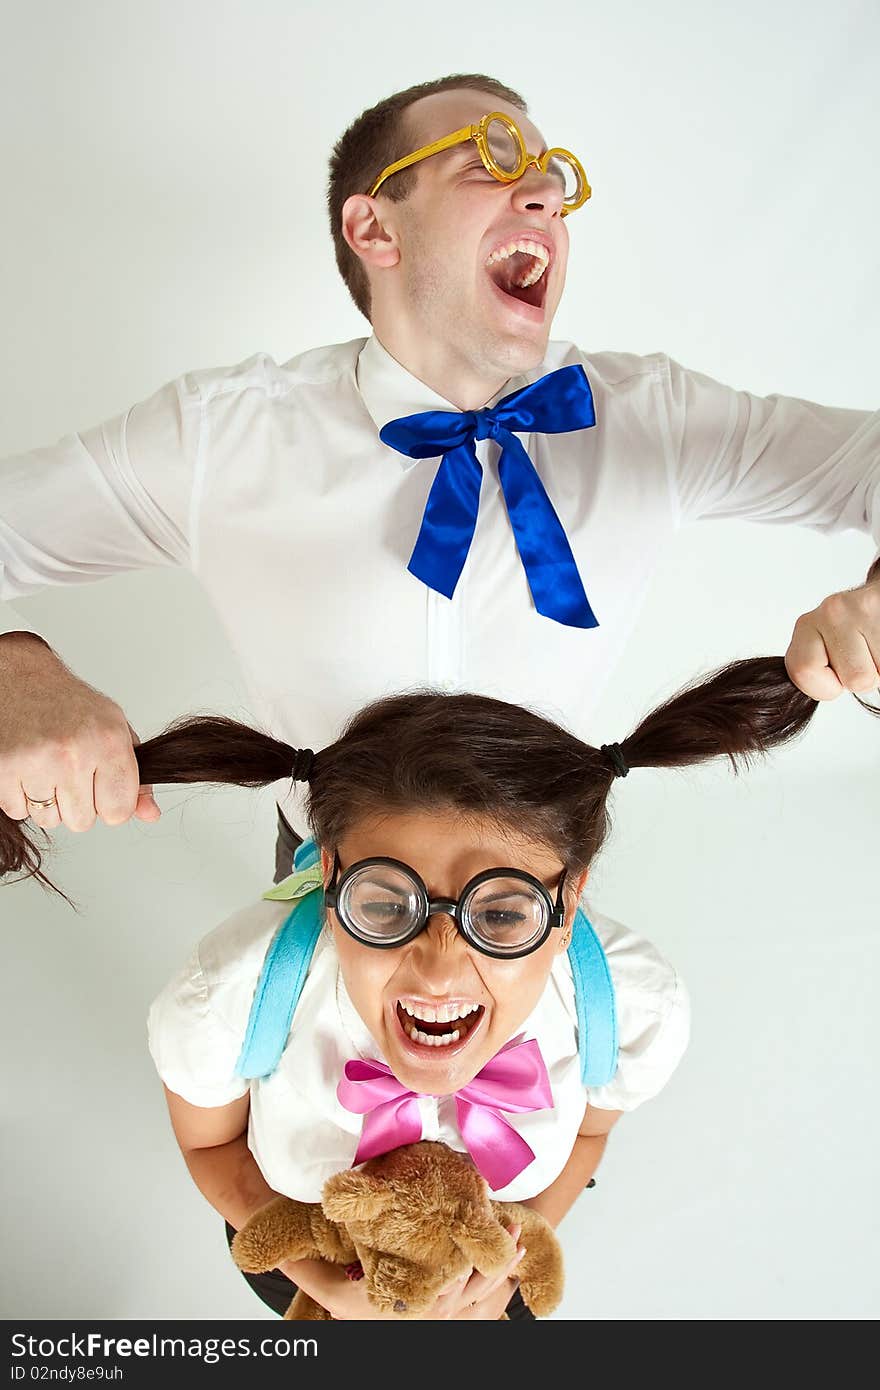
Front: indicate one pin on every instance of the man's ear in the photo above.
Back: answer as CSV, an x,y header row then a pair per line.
x,y
366,233
326,866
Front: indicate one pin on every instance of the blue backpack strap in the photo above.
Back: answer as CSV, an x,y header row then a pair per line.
x,y
282,978
306,855
594,1000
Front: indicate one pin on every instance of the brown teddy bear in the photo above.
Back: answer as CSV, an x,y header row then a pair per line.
x,y
415,1218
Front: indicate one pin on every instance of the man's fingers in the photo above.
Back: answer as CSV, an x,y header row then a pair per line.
x,y
13,805
76,802
147,807
98,779
806,662
62,739
854,665
844,620
836,647
118,795
46,817
872,642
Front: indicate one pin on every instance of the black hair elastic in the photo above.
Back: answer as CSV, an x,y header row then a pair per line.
x,y
612,750
303,762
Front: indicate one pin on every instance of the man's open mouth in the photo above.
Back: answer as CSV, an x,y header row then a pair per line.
x,y
519,270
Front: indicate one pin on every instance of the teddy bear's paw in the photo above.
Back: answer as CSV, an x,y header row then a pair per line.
x,y
540,1272
281,1230
399,1286
540,1276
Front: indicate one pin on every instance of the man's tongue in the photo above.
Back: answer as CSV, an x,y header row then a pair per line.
x,y
507,273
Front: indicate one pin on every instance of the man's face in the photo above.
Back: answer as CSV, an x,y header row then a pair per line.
x,y
459,215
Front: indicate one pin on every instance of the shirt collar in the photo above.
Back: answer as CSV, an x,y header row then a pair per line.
x,y
389,391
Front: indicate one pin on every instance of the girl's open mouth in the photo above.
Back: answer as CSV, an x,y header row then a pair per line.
x,y
437,1030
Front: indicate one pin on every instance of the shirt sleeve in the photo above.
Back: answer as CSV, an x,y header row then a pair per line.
x,y
193,1048
653,1020
110,499
770,458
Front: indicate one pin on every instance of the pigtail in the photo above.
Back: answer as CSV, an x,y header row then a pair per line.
x,y
195,748
216,749
469,753
741,711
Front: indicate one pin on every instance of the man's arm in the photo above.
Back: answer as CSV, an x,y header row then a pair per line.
x,y
111,499
784,460
103,501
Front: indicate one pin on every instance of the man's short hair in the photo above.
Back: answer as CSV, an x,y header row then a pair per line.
x,y
378,137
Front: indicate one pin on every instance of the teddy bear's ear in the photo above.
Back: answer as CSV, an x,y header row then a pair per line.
x,y
352,1196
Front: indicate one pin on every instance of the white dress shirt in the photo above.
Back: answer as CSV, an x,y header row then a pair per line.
x,y
300,1134
271,485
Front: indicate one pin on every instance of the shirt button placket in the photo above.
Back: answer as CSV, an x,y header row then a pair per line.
x,y
442,641
445,628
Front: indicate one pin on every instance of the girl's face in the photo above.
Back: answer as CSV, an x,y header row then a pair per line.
x,y
438,972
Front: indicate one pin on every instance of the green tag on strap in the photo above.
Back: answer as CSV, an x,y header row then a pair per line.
x,y
297,885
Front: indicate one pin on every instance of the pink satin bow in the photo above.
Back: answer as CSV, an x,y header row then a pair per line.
x,y
515,1080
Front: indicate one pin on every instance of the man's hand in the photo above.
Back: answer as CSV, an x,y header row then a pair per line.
x,y
60,736
836,647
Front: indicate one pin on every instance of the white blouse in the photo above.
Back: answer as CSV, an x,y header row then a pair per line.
x,y
300,1134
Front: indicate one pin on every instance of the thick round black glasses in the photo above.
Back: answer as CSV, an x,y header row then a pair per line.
x,y
504,913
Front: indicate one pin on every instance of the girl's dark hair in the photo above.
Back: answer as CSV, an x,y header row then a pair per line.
x,y
429,751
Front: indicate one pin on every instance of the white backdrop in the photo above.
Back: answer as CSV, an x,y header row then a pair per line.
x,y
163,174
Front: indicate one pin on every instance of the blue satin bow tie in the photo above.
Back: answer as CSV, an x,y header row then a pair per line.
x,y
556,403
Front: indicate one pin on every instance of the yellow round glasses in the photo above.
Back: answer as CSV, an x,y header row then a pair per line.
x,y
502,149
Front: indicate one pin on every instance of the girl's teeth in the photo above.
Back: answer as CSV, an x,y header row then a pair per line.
x,y
445,1013
433,1039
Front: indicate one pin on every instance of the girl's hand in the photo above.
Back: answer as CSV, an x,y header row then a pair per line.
x,y
474,1296
484,1299
345,1299
492,1304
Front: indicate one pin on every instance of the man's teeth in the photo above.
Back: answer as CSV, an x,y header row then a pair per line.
x,y
540,262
